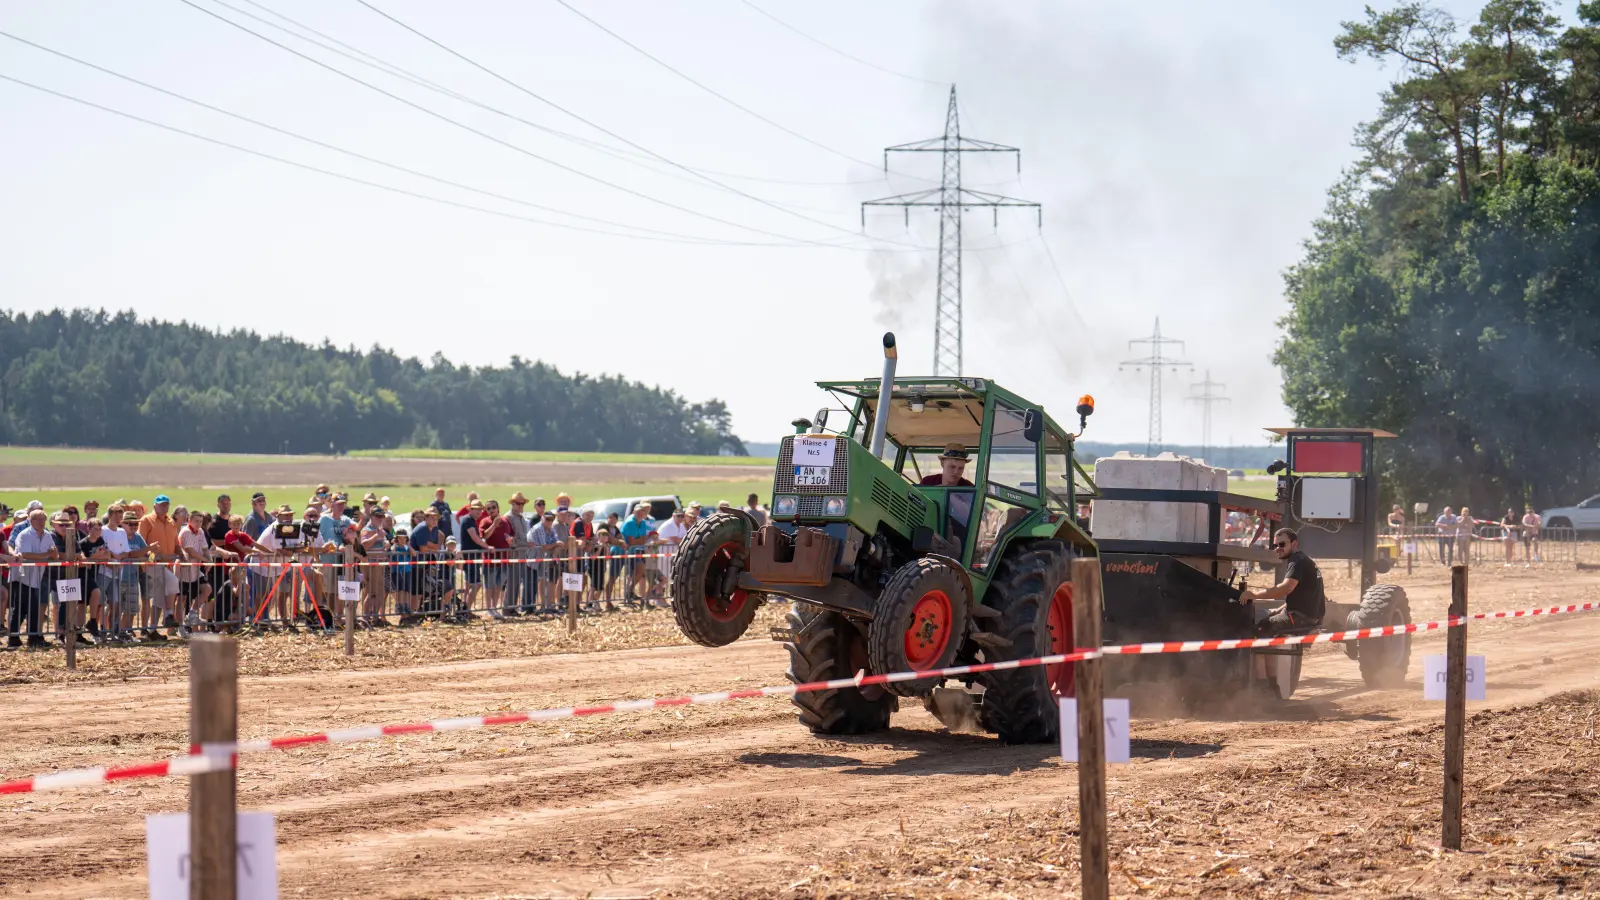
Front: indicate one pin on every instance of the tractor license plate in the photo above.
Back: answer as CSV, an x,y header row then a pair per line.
x,y
812,475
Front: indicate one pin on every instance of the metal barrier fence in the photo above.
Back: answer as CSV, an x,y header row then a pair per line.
x,y
150,602
1492,544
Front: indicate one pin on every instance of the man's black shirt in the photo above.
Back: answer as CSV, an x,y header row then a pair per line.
x,y
1307,598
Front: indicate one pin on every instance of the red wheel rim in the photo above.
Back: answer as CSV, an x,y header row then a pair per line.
x,y
723,609
1059,676
929,631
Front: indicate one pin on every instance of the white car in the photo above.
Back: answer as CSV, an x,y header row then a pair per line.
x,y
660,507
1584,517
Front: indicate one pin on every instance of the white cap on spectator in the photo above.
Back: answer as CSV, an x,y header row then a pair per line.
x,y
35,504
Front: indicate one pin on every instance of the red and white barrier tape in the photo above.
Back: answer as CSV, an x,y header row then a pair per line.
x,y
1335,636
220,756
306,564
180,765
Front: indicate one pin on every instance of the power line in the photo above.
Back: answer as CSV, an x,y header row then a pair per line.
x,y
357,55
827,46
680,239
351,153
1065,291
1027,298
361,56
552,104
720,96
487,136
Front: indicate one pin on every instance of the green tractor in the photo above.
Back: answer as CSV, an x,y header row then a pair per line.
x,y
934,530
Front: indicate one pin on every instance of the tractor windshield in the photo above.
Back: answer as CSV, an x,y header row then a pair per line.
x,y
925,426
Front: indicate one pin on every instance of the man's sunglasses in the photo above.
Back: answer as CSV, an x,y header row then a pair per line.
x,y
1281,545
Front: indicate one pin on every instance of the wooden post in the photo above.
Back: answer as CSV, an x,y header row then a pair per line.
x,y
70,614
350,607
1086,616
572,596
213,719
1455,711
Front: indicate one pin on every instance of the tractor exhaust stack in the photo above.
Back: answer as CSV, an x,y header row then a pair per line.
x,y
880,422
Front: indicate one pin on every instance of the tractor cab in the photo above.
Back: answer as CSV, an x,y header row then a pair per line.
x,y
1018,468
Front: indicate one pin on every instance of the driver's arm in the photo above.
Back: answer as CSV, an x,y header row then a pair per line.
x,y
1277,592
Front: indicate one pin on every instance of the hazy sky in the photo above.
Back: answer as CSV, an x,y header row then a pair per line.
x,y
1180,150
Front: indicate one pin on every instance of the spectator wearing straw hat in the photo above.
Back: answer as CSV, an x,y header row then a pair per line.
x,y
542,542
636,533
522,584
133,555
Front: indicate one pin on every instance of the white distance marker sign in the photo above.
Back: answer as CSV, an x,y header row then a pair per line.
x,y
1118,741
350,591
69,591
572,581
167,855
1435,672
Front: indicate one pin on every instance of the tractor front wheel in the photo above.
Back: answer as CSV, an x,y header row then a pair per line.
x,y
919,624
1032,589
710,607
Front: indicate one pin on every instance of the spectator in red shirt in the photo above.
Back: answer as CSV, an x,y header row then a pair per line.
x,y
496,534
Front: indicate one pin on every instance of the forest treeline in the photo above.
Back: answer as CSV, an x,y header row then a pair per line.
x,y
1451,291
95,379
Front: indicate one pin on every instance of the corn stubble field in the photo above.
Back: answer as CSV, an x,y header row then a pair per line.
x,y
1334,793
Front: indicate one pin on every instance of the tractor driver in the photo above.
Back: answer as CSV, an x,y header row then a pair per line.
x,y
952,462
1300,589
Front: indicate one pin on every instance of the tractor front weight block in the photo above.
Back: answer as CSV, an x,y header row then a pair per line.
x,y
804,559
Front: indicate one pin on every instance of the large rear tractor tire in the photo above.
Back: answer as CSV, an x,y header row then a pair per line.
x,y
706,600
1032,589
828,646
920,623
1384,660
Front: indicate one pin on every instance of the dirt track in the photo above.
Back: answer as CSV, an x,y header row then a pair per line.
x,y
723,800
292,471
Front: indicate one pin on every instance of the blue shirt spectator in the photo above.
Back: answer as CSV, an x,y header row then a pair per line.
x,y
636,531
425,534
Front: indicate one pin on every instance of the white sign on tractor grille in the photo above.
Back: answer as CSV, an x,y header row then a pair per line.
x,y
813,451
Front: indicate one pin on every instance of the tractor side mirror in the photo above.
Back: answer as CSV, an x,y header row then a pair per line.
x,y
822,421
1032,426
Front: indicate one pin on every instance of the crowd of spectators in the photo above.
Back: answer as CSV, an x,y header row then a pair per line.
x,y
146,575
1456,533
